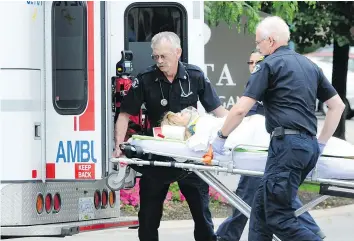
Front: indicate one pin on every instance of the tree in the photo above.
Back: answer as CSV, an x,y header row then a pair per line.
x,y
311,23
235,13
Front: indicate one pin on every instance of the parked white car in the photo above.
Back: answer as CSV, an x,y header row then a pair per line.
x,y
327,70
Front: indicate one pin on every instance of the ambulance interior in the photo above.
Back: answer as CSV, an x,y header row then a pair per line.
x,y
141,24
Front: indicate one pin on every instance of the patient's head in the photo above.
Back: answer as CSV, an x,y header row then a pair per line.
x,y
183,118
176,119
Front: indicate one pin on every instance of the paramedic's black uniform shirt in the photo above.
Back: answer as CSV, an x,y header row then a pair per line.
x,y
146,89
288,84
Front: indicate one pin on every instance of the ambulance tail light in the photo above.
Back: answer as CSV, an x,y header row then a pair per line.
x,y
104,198
40,203
57,202
97,199
112,199
48,203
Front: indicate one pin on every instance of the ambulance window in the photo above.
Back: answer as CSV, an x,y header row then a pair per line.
x,y
69,46
144,20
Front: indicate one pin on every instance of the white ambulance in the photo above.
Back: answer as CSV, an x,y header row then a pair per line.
x,y
56,64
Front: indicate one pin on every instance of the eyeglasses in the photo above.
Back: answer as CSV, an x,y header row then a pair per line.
x,y
260,41
156,57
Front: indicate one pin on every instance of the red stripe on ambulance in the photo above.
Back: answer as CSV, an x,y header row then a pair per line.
x,y
50,170
87,120
108,225
75,123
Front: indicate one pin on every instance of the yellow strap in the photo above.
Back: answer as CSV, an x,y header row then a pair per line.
x,y
192,125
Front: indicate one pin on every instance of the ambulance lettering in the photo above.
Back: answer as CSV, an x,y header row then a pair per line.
x,y
77,151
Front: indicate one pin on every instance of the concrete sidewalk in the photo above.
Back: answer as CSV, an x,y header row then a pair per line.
x,y
336,223
344,211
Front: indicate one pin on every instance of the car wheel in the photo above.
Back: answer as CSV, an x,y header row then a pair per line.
x,y
348,110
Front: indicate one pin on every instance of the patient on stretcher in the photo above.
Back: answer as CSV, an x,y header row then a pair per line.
x,y
200,130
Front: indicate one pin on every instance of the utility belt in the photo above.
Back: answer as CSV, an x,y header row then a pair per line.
x,y
280,132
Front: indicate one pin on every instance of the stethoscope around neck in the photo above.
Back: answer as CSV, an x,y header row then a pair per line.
x,y
164,102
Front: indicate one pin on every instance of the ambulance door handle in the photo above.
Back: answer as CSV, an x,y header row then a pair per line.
x,y
37,131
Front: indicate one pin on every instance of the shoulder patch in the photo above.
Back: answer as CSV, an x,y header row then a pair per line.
x,y
256,68
135,83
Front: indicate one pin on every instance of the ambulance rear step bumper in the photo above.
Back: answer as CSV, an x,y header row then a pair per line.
x,y
67,229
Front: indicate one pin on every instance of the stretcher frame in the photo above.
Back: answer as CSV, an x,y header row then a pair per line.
x,y
328,187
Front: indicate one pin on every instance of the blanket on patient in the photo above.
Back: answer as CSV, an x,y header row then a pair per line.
x,y
251,135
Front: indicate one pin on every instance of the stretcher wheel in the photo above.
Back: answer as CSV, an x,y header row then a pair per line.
x,y
114,182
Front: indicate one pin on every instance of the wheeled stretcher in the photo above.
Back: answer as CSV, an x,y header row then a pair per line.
x,y
334,175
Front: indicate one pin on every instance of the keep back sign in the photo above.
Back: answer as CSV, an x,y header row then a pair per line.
x,y
84,171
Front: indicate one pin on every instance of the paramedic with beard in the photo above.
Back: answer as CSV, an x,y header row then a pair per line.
x,y
170,85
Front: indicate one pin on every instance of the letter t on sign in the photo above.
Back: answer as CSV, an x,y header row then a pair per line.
x,y
209,65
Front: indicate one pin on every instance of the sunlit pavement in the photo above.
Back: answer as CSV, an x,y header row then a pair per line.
x,y
337,223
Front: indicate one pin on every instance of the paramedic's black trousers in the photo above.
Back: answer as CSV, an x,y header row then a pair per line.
x,y
154,186
289,161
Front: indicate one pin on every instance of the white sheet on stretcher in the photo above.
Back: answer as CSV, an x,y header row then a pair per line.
x,y
327,167
251,131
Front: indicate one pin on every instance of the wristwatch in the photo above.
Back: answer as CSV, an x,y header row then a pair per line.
x,y
220,135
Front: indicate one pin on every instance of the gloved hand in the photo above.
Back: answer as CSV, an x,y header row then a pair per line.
x,y
321,146
218,145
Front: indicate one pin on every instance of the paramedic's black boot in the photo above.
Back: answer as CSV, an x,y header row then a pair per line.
x,y
321,234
